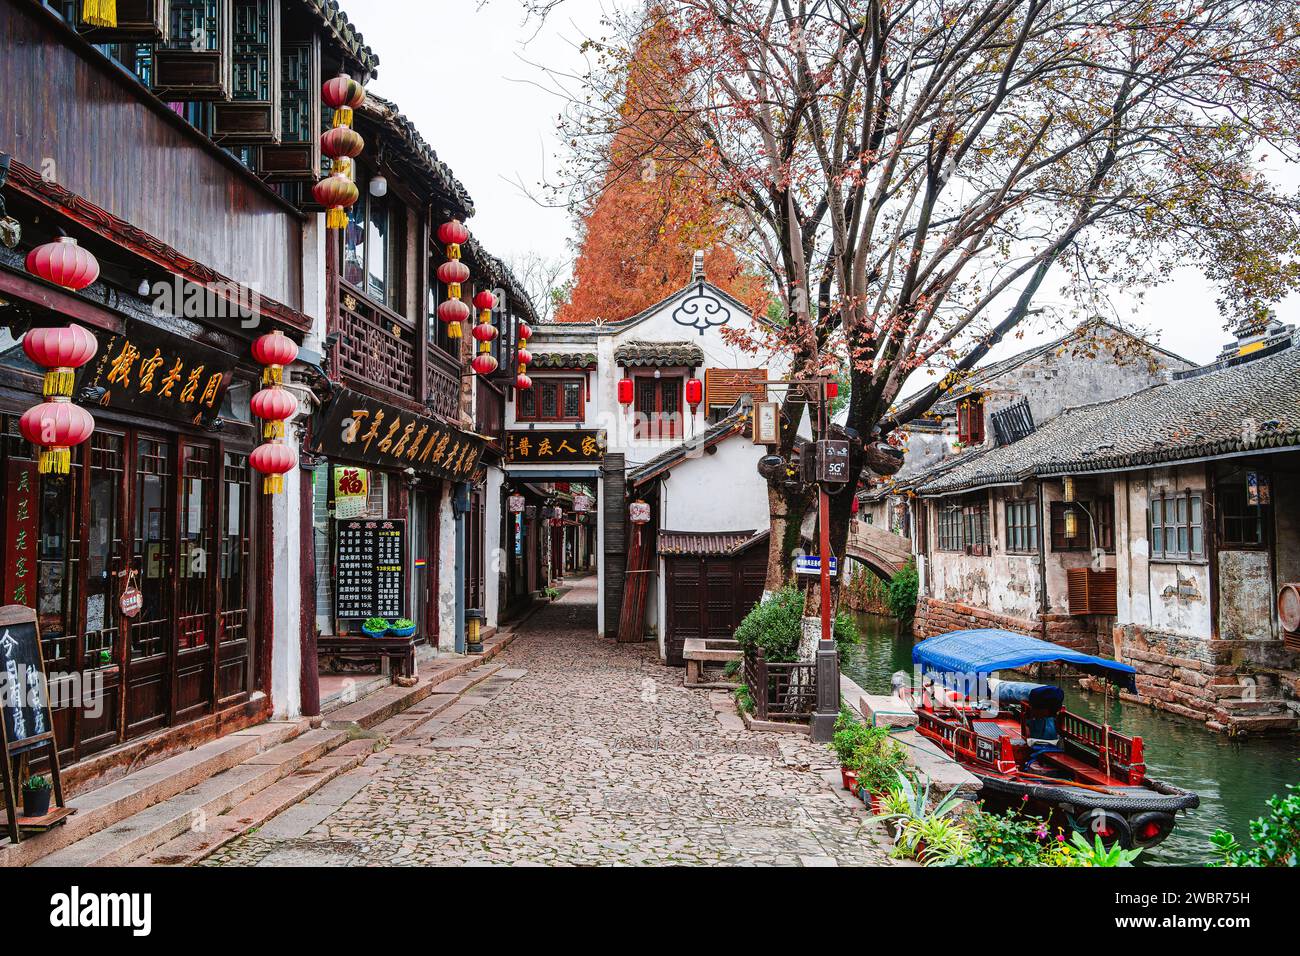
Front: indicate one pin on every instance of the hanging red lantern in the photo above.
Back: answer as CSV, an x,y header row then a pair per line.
x,y
625,391
525,332
525,357
64,263
56,426
274,350
453,233
694,392
484,363
61,351
343,94
485,332
523,382
337,193
453,272
342,142
485,300
453,312
272,460
273,405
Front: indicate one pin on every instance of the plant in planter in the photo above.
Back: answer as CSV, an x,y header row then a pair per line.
x,y
849,735
876,761
375,626
921,833
402,627
776,626
36,796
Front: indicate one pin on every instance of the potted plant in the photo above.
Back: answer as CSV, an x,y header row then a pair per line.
x,y
36,796
402,627
848,737
375,626
876,762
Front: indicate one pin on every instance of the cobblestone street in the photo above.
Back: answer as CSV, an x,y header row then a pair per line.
x,y
577,751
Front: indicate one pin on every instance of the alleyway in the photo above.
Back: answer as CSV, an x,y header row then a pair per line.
x,y
578,751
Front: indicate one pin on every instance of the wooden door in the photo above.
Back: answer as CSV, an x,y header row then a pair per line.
x,y
235,530
684,603
195,582
150,643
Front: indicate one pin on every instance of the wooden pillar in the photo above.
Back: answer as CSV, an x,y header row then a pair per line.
x,y
309,676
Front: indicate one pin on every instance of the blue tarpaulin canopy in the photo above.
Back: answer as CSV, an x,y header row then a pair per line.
x,y
987,650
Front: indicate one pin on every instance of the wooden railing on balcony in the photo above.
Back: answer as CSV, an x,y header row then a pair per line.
x,y
377,345
489,408
442,381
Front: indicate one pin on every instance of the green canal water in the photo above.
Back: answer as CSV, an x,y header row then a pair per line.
x,y
1234,778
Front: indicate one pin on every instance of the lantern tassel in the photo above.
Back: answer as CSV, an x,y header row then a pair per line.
x,y
453,330
58,382
273,429
55,461
337,218
273,375
272,484
99,13
343,116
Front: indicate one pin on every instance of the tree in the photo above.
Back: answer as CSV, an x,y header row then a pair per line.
x,y
639,230
544,278
912,171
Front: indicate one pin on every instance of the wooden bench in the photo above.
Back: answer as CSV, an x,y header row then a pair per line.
x,y
1083,772
398,651
700,652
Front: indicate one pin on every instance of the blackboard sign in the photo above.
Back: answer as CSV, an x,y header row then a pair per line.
x,y
22,677
370,564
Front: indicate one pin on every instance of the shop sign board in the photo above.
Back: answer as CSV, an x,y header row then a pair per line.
x,y
555,446
370,568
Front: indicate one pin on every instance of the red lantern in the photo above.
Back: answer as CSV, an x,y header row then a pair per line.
x,y
343,94
525,357
694,392
64,263
523,382
273,406
342,141
453,233
274,350
56,426
453,311
485,331
337,193
453,272
524,331
272,460
60,351
485,300
625,391
484,363
832,389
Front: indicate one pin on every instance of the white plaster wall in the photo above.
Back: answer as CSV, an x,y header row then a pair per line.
x,y
717,492
448,572
494,559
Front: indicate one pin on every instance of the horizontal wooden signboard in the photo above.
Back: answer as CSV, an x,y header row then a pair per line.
x,y
559,446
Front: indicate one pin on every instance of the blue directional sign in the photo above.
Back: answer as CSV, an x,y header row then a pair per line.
x,y
812,564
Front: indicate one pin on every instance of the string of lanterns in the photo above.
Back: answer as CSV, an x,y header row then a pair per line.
x,y
485,362
273,404
338,191
57,426
453,234
525,357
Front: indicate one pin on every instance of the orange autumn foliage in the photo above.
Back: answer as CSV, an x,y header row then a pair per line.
x,y
654,208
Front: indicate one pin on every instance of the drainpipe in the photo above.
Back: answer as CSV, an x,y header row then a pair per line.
x,y
459,507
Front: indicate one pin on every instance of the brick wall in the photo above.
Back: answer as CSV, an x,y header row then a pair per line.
x,y
934,617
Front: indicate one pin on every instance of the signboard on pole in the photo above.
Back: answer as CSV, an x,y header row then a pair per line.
x,y
811,564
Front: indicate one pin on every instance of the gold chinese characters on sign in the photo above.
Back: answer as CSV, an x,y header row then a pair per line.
x,y
566,446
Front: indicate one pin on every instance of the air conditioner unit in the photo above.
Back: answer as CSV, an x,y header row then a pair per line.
x,y
1288,612
1091,592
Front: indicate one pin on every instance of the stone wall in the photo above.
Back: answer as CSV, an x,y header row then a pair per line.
x,y
934,617
1231,686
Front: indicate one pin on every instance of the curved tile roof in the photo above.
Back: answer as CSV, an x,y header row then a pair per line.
x,y
412,146
661,354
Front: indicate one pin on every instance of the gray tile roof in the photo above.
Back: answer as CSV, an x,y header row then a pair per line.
x,y
412,146
661,354
1250,407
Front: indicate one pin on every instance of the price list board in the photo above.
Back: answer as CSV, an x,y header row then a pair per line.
x,y
370,562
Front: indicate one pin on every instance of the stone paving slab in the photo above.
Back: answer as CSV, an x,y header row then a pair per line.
x,y
578,751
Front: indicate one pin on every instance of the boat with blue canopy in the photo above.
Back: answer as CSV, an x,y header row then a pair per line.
x,y
1027,750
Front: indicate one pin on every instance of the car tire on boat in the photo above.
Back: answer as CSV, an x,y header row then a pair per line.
x,y
1151,828
1107,824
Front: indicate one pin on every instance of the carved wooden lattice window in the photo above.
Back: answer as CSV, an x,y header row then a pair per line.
x,y
253,115
194,62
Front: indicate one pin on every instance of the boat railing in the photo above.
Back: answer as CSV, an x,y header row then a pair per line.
x,y
1124,751
966,742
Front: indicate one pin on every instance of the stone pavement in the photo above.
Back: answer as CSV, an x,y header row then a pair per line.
x,y
579,751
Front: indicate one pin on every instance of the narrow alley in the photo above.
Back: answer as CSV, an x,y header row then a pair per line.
x,y
578,751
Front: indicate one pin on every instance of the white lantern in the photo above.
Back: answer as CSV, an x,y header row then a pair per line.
x,y
516,504
638,512
582,503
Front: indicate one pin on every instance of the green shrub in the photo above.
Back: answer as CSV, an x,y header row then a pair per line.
x,y
776,626
1008,839
744,700
877,759
902,593
1276,836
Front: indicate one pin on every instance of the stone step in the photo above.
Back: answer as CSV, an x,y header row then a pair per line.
x,y
107,806
1260,724
1241,707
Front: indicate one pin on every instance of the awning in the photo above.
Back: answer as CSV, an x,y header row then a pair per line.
x,y
986,650
703,543
659,354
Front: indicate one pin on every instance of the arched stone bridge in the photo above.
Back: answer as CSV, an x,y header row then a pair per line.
x,y
882,551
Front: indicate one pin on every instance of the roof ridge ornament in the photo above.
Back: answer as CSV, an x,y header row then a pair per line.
x,y
701,311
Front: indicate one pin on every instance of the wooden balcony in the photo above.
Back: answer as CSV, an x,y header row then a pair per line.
x,y
376,346
442,384
489,408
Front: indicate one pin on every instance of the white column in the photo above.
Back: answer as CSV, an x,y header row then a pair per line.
x,y
286,599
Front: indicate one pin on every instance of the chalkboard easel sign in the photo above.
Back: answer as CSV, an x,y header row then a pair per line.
x,y
370,568
25,725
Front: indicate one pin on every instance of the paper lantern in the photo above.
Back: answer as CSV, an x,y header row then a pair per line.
x,y
343,94
337,193
694,392
273,405
57,427
274,350
453,272
453,311
61,351
484,363
625,391
453,233
64,263
485,331
523,382
525,357
342,142
272,460
525,332
485,300
638,512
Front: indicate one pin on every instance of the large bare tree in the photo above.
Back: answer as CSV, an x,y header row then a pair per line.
x,y
912,172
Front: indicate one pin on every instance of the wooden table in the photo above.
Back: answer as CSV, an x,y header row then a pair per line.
x,y
399,650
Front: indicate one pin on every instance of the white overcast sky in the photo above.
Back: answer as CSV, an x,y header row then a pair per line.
x,y
464,72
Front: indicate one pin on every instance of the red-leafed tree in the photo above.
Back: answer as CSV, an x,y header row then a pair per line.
x,y
911,171
652,207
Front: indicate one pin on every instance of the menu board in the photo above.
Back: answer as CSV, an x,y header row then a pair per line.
x,y
26,710
370,565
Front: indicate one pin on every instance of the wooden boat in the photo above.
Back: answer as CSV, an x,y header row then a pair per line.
x,y
1027,749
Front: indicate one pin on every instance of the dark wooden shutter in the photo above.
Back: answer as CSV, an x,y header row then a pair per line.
x,y
683,599
614,498
1091,592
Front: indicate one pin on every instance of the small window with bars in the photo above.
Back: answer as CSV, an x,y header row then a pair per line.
x,y
970,421
975,528
552,400
950,528
1072,525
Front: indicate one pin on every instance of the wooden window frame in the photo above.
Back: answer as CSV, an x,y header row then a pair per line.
x,y
1230,498
558,384
1101,509
976,521
394,245
1022,525
657,428
949,528
970,421
1194,502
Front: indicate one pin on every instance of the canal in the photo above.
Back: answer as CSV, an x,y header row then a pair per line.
x,y
1233,777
